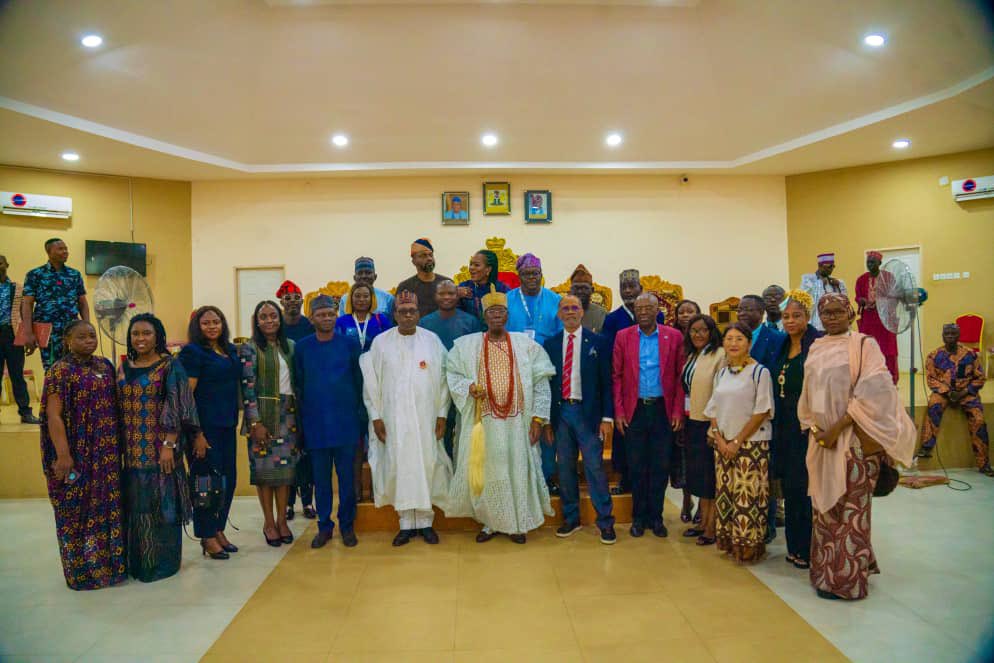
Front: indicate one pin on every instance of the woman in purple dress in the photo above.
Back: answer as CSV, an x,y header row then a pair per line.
x,y
81,458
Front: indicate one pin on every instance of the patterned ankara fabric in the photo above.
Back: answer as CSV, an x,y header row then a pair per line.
x,y
87,511
959,371
742,498
155,401
271,463
842,558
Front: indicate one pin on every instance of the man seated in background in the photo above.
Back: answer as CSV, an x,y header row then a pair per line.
x,y
954,377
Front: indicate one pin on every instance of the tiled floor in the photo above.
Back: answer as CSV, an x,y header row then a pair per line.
x,y
550,600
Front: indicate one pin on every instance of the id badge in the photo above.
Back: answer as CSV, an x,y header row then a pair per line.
x,y
686,403
530,333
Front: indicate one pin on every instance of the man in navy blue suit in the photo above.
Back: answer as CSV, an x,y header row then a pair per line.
x,y
767,342
582,414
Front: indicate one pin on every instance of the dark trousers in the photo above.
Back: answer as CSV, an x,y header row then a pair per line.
x,y
796,503
12,356
221,457
549,466
340,460
574,437
450,431
619,460
648,443
304,481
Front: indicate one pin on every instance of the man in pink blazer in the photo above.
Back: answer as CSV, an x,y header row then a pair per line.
x,y
648,408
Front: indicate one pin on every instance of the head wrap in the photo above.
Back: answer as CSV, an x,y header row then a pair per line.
x,y
875,254
323,301
365,263
406,297
629,275
493,298
825,258
829,297
286,288
801,297
581,275
528,260
492,261
421,243
950,326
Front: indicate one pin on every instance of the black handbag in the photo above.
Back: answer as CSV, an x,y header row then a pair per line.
x,y
888,478
207,490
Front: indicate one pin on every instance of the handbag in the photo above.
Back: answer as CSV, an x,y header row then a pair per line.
x,y
888,477
207,490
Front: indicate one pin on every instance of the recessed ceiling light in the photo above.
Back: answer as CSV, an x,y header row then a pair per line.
x,y
340,140
489,140
613,139
70,156
92,41
874,40
901,144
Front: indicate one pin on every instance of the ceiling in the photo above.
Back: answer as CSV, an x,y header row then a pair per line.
x,y
255,88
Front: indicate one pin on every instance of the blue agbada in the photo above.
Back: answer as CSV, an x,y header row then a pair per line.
x,y
534,313
766,345
329,391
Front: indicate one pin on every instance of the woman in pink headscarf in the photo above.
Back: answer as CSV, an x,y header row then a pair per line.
x,y
850,407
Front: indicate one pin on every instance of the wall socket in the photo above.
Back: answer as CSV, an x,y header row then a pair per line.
x,y
950,276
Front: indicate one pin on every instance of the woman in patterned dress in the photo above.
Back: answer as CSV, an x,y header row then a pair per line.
x,y
851,407
81,459
270,421
740,410
158,420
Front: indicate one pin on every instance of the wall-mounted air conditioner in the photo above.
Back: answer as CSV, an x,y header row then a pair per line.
x,y
34,204
973,188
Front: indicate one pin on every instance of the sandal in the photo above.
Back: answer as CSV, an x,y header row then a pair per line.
x,y
693,531
705,540
802,564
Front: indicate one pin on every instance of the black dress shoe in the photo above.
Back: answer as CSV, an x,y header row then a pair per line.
x,y
660,530
213,555
288,539
608,537
485,536
403,537
290,515
636,530
429,535
310,513
568,529
692,532
230,547
30,419
321,538
348,538
275,543
517,538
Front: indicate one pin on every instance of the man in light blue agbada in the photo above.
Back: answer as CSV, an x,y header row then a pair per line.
x,y
532,309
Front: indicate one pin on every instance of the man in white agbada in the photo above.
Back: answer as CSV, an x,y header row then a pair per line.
x,y
407,399
499,381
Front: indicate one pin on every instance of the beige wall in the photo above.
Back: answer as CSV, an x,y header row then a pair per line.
x,y
897,204
101,211
717,236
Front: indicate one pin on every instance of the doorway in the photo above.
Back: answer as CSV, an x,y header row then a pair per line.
x,y
253,285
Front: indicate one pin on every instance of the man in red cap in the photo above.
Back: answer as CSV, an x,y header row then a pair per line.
x,y
873,282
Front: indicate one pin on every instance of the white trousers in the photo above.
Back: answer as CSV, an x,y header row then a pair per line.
x,y
416,518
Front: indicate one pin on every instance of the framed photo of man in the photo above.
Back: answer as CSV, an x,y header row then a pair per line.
x,y
497,198
538,206
455,208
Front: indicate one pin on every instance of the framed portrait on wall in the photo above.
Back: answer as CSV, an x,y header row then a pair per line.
x,y
455,208
538,206
497,198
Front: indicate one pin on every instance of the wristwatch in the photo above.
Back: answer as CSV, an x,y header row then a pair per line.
x,y
540,420
168,444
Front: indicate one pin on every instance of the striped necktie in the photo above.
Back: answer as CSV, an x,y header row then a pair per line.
x,y
568,367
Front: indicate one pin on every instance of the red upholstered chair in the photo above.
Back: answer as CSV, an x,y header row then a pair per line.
x,y
971,331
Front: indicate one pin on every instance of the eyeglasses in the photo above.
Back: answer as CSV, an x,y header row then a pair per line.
x,y
700,332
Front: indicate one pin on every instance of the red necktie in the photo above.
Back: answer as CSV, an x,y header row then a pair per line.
x,y
568,368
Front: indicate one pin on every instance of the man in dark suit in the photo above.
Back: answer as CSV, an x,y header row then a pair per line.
x,y
581,415
767,342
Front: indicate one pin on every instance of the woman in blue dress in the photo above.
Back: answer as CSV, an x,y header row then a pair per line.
x,y
214,373
360,321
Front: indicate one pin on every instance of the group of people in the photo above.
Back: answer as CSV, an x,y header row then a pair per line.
x,y
472,398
